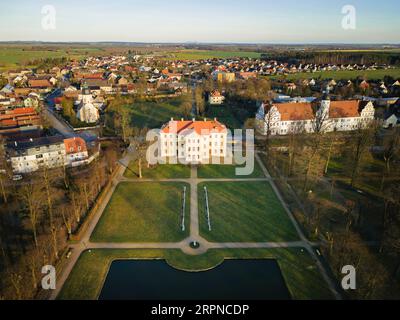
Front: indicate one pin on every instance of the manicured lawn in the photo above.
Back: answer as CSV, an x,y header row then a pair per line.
x,y
144,212
221,171
161,171
244,212
299,271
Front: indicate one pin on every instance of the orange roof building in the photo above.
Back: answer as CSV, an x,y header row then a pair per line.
x,y
75,145
193,141
283,118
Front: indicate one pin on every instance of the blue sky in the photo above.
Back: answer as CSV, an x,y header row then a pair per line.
x,y
249,21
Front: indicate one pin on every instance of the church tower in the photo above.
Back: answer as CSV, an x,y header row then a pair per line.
x,y
86,95
325,104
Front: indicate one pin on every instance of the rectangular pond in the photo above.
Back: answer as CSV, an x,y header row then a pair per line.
x,y
156,280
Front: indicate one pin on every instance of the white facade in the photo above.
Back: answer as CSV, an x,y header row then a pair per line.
x,y
216,98
32,156
193,141
39,157
278,119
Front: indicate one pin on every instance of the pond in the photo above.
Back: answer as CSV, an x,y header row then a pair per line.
x,y
232,280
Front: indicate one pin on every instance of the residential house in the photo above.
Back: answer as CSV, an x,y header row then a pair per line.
x,y
216,98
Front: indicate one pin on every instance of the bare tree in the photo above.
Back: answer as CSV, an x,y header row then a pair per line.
x,y
31,195
391,150
5,170
360,142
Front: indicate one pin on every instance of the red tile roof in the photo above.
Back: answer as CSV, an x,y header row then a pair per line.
x,y
344,109
39,84
200,127
295,111
75,145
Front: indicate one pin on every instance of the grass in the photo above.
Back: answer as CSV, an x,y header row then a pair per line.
x,y
244,212
211,54
150,114
226,171
343,75
11,57
299,271
224,114
161,171
144,212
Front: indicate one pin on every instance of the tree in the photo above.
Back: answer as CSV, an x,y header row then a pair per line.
x,y
48,180
5,171
199,98
360,142
125,119
32,196
391,147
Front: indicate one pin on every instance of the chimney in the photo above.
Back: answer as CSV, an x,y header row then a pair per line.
x,y
194,119
205,119
172,119
215,119
182,119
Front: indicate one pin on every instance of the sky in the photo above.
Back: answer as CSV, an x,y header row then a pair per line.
x,y
209,21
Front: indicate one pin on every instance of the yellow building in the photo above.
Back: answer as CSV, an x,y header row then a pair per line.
x,y
226,76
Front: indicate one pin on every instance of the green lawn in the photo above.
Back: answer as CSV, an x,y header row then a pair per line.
x,y
226,171
244,212
343,75
224,114
160,171
299,271
150,114
144,212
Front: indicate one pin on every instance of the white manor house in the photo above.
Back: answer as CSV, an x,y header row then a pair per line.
x,y
322,115
193,141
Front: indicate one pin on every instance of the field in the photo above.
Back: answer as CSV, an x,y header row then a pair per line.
x,y
143,212
244,212
211,54
164,171
343,75
11,57
299,271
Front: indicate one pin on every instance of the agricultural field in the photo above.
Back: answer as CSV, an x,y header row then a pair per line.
x,y
210,54
12,57
342,75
